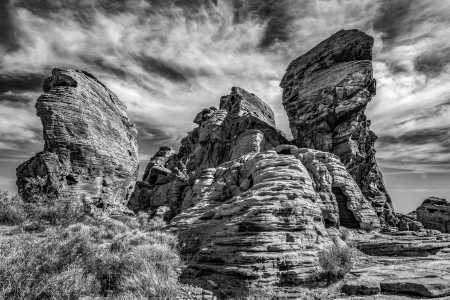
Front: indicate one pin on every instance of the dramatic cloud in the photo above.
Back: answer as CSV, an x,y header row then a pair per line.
x,y
168,59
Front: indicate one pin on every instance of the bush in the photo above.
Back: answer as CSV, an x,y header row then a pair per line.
x,y
105,259
261,293
336,262
46,211
12,210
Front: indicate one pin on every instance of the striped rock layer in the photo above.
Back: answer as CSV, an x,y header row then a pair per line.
x,y
90,151
248,208
325,94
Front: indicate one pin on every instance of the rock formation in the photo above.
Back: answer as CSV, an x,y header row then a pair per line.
x,y
249,208
325,93
243,123
434,213
90,151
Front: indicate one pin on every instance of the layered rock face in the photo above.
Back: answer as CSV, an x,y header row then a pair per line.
x,y
434,213
242,124
90,151
325,93
248,208
262,217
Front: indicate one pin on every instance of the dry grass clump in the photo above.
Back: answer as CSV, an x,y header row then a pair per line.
x,y
41,212
336,261
103,258
12,209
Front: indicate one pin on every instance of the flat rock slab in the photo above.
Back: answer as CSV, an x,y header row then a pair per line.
x,y
412,244
426,287
401,248
361,287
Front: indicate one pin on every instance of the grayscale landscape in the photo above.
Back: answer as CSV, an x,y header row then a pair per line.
x,y
224,149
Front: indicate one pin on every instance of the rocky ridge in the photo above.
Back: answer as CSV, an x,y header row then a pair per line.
x,y
325,93
90,151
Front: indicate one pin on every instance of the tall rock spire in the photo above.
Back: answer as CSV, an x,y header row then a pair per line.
x,y
325,94
90,151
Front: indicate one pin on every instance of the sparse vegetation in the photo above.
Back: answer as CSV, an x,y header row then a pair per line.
x,y
261,293
336,261
40,212
96,258
12,209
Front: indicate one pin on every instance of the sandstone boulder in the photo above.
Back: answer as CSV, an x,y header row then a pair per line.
x,y
434,213
90,151
325,94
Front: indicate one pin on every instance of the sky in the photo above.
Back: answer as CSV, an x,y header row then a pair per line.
x,y
168,59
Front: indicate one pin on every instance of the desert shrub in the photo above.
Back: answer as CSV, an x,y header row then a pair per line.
x,y
105,259
336,261
12,210
261,293
49,268
140,264
46,211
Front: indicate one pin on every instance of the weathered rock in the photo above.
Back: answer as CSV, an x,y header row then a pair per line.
x,y
325,93
408,222
253,219
342,201
391,268
429,287
243,124
260,219
406,244
250,209
162,183
434,213
90,151
361,287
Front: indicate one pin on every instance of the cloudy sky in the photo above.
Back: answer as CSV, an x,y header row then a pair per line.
x,y
168,59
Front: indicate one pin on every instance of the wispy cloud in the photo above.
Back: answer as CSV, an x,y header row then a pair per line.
x,y
168,59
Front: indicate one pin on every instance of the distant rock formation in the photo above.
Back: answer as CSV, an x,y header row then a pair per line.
x,y
434,213
325,93
249,208
90,151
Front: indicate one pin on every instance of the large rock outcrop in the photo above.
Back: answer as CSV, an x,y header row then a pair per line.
x,y
434,213
90,151
242,124
325,93
248,208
